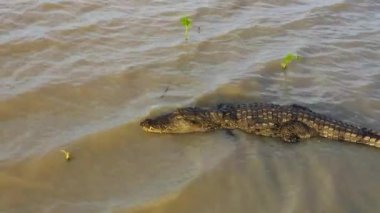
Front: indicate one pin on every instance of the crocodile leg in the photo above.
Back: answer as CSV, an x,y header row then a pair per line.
x,y
294,131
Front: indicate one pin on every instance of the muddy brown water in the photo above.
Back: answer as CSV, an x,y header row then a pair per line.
x,y
80,75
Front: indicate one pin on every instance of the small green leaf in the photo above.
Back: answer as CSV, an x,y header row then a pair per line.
x,y
186,22
288,59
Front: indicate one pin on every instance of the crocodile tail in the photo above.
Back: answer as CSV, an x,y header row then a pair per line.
x,y
369,137
337,130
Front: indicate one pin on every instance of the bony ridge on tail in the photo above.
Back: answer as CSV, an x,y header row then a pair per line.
x,y
291,123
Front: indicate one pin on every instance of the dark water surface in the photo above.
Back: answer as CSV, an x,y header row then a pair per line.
x,y
80,75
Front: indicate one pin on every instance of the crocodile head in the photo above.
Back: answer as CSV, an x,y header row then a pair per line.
x,y
183,120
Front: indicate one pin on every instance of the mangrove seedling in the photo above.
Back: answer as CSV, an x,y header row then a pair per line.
x,y
186,23
66,153
288,59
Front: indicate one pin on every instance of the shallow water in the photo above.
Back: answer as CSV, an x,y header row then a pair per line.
x,y
80,75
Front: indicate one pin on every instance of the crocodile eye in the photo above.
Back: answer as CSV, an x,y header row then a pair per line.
x,y
193,122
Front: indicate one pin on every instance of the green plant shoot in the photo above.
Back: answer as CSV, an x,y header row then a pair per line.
x,y
186,22
288,59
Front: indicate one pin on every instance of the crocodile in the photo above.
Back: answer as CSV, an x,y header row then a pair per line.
x,y
292,123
